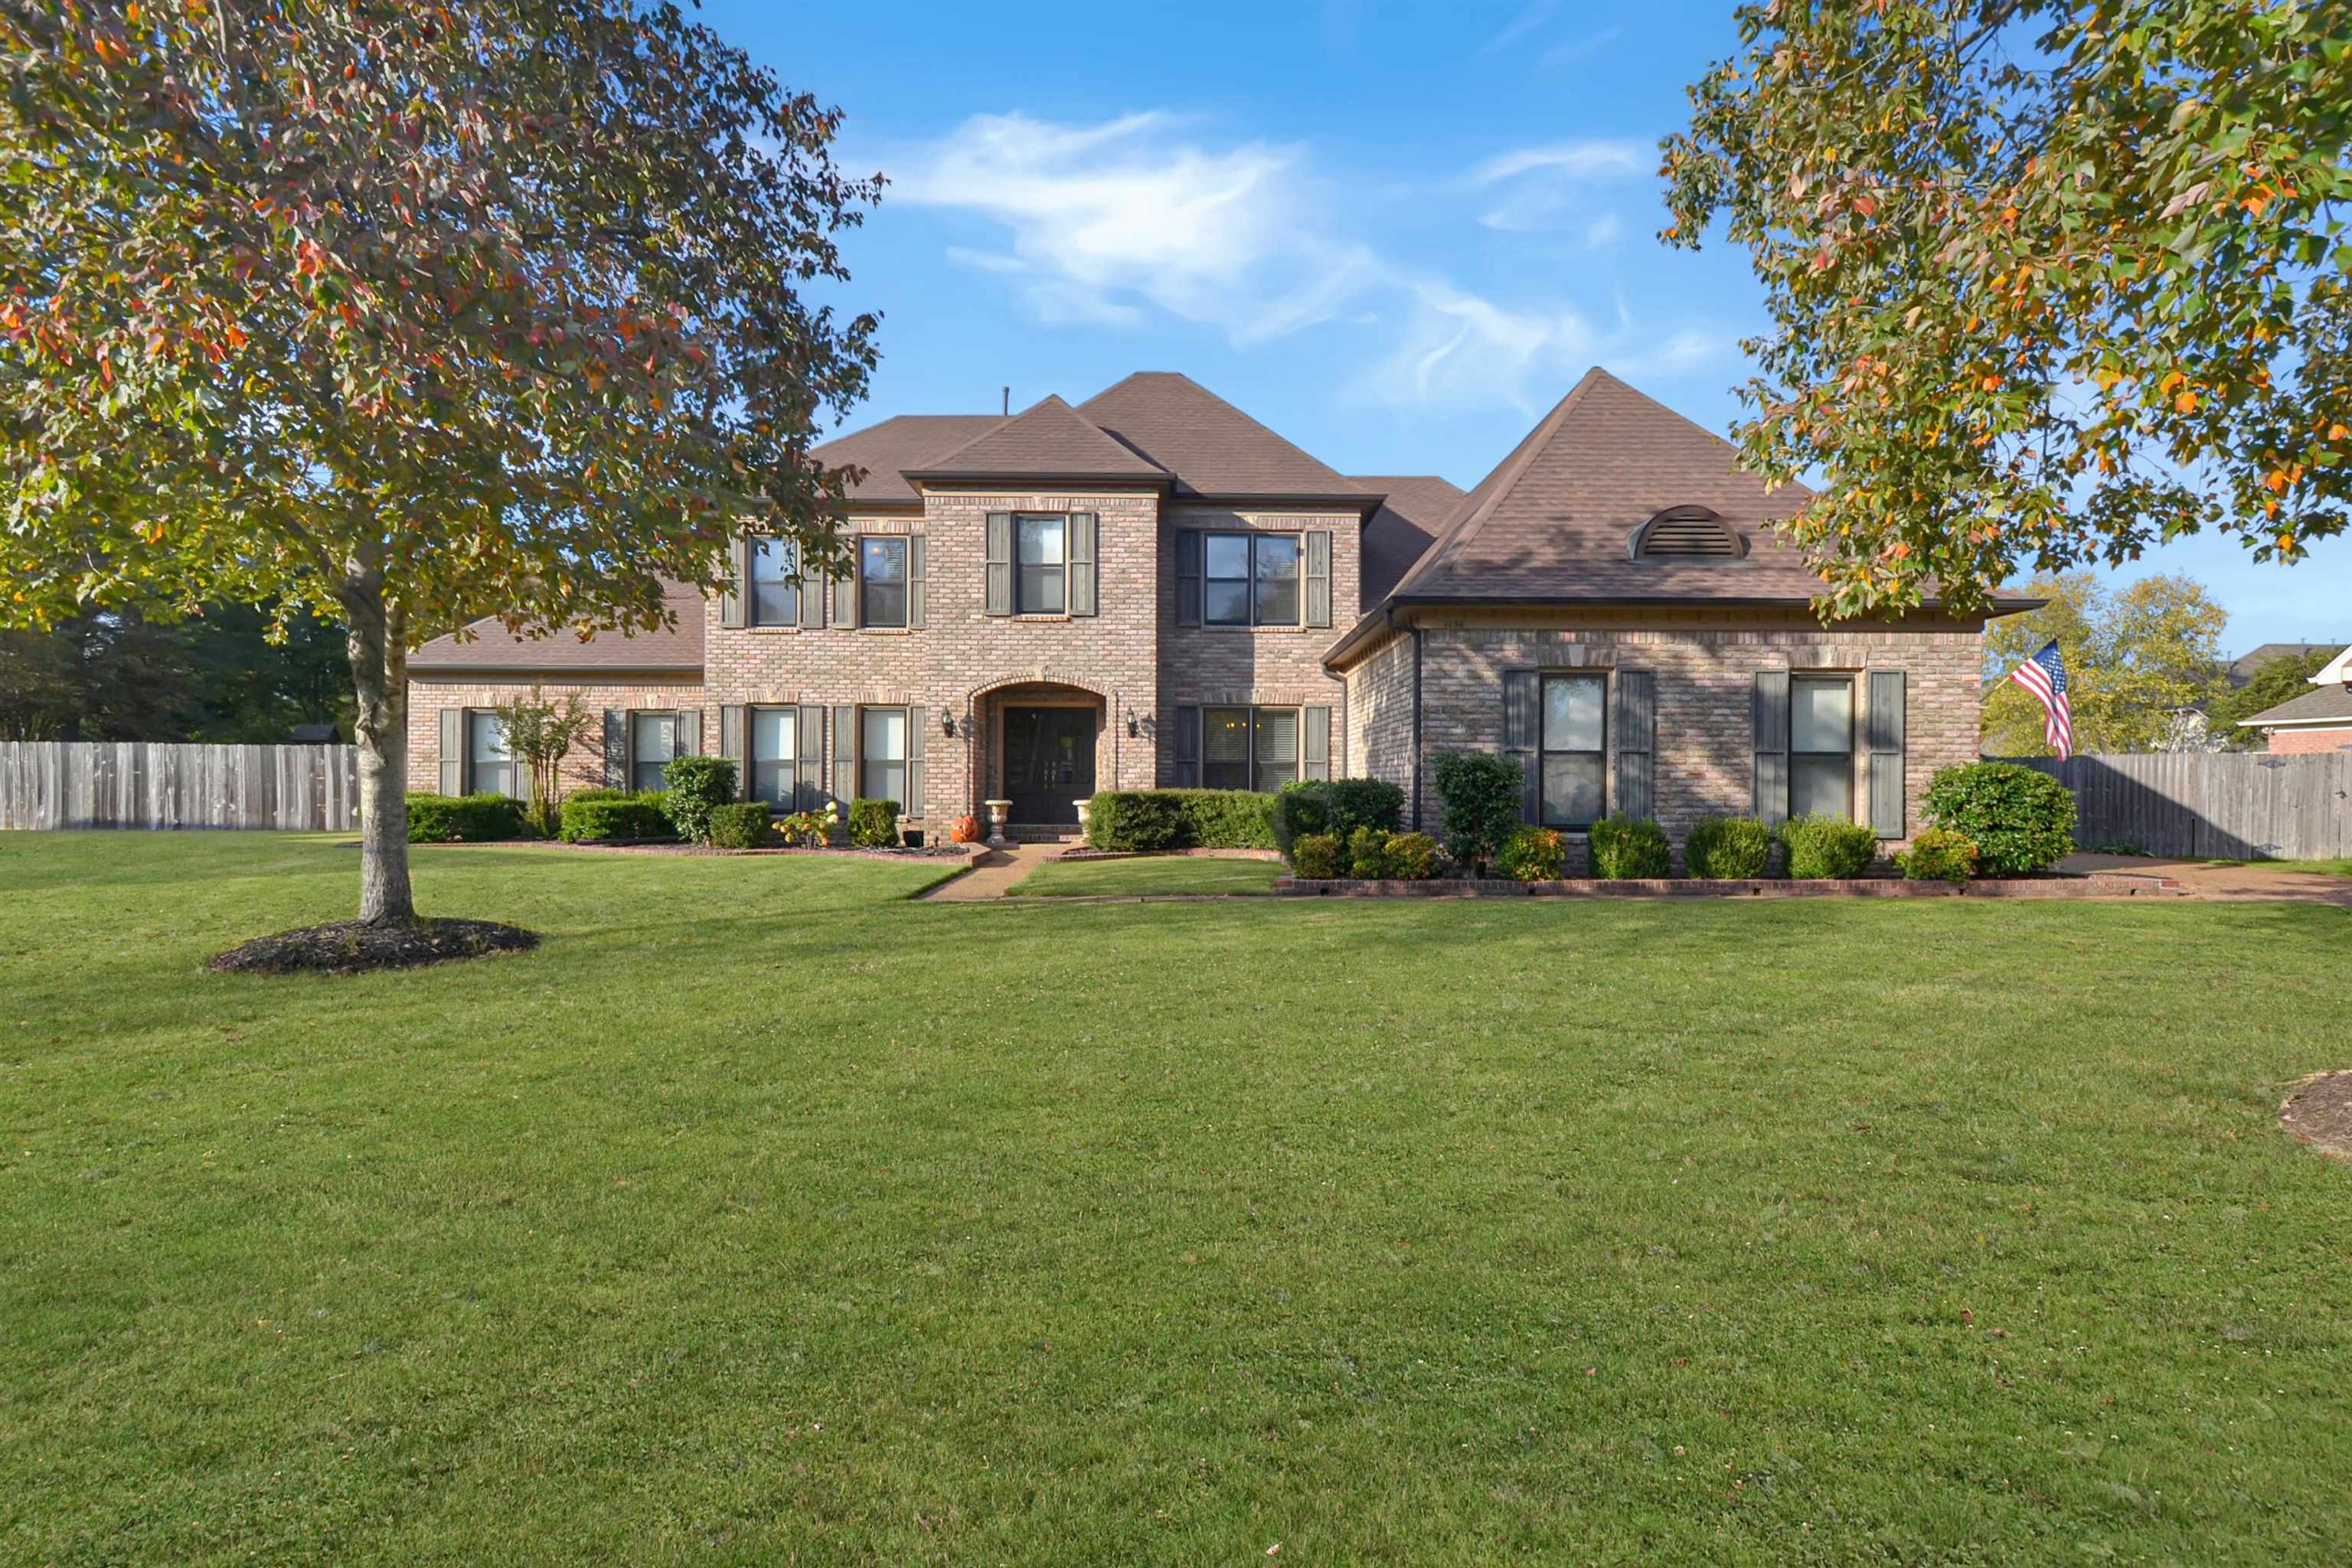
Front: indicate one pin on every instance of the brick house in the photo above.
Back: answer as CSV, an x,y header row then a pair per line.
x,y
1151,588
2319,720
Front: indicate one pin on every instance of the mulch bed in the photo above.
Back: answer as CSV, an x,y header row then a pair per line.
x,y
1082,853
347,947
2099,885
2319,1112
672,847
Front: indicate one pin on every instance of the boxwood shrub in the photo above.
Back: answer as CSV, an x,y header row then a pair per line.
x,y
1828,846
593,815
1336,806
1410,857
1939,855
874,824
1368,853
741,824
1626,848
1729,849
1534,855
1315,856
1143,820
2020,818
466,818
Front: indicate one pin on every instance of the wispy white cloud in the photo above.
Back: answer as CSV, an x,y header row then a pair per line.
x,y
1570,50
1531,16
1597,156
1603,232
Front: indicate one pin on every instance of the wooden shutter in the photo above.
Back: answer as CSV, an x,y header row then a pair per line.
x,y
1188,577
997,590
844,754
1318,579
1083,542
452,751
1636,725
845,590
616,748
689,733
813,590
917,606
735,744
1769,721
1522,717
1187,748
1882,728
913,804
1315,746
808,767
739,580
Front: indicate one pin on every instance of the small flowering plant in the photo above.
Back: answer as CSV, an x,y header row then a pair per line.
x,y
810,829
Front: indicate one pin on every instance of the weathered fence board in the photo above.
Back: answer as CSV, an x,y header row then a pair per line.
x,y
107,784
2222,805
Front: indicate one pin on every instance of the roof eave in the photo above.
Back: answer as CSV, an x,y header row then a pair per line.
x,y
950,475
553,671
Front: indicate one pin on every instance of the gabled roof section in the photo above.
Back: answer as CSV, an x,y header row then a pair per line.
x,y
1211,446
674,649
1045,440
2327,706
886,450
1395,535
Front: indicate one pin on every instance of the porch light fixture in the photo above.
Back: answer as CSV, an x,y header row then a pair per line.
x,y
1134,727
947,723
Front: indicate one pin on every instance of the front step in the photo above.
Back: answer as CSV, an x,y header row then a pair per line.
x,y
1044,832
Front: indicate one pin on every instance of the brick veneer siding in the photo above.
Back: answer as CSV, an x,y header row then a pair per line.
x,y
1279,667
1379,702
2310,742
1704,760
584,767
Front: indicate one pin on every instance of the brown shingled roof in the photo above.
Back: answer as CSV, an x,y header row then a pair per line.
x,y
1045,440
1212,447
2326,705
1395,536
678,648
908,441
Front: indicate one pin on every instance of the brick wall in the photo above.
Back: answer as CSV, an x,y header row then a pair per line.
x,y
2310,742
1380,698
428,694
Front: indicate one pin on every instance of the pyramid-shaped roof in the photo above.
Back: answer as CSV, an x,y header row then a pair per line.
x,y
904,441
1046,440
1212,447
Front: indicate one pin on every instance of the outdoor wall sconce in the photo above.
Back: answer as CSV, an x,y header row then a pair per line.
x,y
947,723
1134,726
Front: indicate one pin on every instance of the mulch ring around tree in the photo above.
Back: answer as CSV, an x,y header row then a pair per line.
x,y
2319,1112
349,947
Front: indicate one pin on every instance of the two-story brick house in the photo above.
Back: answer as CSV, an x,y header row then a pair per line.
x,y
1152,588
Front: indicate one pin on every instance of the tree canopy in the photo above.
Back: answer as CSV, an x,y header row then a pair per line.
x,y
2282,679
2050,280
2134,658
407,314
119,675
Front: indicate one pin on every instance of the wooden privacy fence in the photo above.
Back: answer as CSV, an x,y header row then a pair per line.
x,y
2222,805
130,783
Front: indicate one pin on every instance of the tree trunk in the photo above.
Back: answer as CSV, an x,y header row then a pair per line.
x,y
379,648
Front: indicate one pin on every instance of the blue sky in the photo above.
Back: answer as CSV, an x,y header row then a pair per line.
x,y
1394,232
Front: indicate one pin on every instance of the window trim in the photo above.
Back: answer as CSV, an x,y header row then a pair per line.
x,y
1249,765
631,716
1544,749
1021,606
1852,720
1297,538
756,550
790,761
903,762
865,621
473,778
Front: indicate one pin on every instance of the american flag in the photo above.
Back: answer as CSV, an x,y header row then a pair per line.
x,y
2044,675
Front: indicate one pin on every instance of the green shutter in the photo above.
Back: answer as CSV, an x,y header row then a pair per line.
x,y
1769,720
845,590
808,767
917,595
844,756
997,587
1188,577
735,744
1318,579
1083,542
1314,743
1636,727
1883,727
1186,752
1522,694
739,578
452,751
913,804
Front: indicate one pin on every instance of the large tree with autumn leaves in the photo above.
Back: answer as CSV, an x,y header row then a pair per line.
x,y
406,313
2050,280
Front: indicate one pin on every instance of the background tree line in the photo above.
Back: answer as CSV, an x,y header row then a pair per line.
x,y
213,677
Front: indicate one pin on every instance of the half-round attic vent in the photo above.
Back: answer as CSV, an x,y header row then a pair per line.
x,y
1687,533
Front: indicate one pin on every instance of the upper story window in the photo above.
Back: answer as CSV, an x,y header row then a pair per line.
x,y
1041,587
882,582
775,586
1250,579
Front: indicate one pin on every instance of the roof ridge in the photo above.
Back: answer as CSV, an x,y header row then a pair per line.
x,y
1225,403
1047,405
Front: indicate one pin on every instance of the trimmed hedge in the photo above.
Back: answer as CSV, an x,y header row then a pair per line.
x,y
874,824
1939,855
466,818
742,825
1368,852
1315,856
1410,857
1828,846
1629,848
1534,855
1336,806
1729,849
699,786
1142,820
2020,818
591,815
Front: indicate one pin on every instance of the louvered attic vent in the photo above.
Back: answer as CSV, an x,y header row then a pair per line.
x,y
1687,533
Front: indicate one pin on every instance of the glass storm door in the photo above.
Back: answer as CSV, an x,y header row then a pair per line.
x,y
1049,763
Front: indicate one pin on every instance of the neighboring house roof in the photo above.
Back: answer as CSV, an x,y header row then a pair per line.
x,y
2245,667
2327,706
492,647
1046,440
1211,446
1395,536
908,441
2337,671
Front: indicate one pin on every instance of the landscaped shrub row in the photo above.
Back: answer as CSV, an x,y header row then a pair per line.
x,y
873,824
1628,848
739,825
1729,849
1142,820
1368,853
594,814
2020,819
697,787
1336,806
465,818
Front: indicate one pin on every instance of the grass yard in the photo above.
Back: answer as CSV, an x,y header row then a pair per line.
x,y
2341,865
764,1216
1148,874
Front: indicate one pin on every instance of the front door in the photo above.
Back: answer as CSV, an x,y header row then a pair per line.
x,y
1049,763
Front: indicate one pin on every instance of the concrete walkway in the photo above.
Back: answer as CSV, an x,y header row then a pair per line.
x,y
993,874
2237,883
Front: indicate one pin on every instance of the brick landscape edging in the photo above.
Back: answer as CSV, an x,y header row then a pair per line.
x,y
2099,885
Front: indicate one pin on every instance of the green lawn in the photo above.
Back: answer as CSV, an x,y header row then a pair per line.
x,y
762,1215
1153,874
2339,867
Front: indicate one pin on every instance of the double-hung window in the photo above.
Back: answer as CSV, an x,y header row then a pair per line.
x,y
882,582
487,760
1574,750
1250,579
1041,585
775,749
882,755
1249,748
653,744
1821,746
775,586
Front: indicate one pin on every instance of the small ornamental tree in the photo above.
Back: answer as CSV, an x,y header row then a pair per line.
x,y
407,314
540,734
